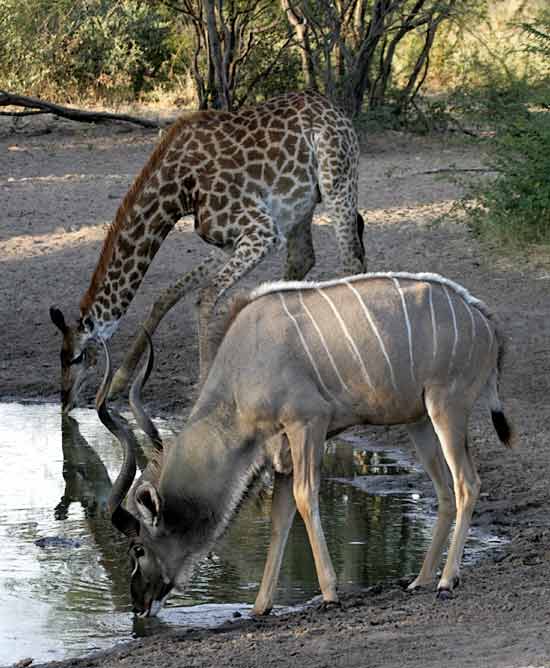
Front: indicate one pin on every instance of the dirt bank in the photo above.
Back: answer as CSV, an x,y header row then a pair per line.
x,y
59,190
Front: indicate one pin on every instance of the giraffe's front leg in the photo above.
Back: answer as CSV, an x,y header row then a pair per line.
x,y
249,252
191,281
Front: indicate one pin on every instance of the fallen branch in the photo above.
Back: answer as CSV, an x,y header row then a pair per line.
x,y
446,170
10,99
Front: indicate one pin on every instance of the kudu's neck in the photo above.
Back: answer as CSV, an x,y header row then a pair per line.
x,y
159,196
212,466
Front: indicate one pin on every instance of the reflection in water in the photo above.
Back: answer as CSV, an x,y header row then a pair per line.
x,y
64,600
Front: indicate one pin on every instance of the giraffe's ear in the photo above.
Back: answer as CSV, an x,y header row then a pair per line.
x,y
58,319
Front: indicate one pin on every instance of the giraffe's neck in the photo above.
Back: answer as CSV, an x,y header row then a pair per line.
x,y
150,209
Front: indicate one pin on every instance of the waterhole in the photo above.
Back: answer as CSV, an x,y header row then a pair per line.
x,y
63,568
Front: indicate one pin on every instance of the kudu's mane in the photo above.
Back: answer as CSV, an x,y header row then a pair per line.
x,y
121,216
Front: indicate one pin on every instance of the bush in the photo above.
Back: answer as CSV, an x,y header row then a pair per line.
x,y
515,206
63,49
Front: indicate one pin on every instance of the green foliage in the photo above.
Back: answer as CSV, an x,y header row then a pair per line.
x,y
65,48
515,206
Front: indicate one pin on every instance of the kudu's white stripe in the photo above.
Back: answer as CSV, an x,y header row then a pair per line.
x,y
434,325
455,328
407,323
304,344
347,335
375,330
488,326
473,322
320,333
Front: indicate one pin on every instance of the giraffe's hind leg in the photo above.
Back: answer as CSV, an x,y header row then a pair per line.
x,y
338,177
300,254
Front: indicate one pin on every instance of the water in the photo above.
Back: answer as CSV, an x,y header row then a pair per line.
x,y
70,596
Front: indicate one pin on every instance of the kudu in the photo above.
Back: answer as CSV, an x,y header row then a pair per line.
x,y
300,362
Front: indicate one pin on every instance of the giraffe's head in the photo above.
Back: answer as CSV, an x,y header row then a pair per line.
x,y
78,357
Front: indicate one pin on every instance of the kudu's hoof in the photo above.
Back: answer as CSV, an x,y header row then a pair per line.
x,y
444,594
325,606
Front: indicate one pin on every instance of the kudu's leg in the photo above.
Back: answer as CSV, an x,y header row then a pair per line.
x,y
249,252
191,281
283,509
431,457
307,445
300,254
450,421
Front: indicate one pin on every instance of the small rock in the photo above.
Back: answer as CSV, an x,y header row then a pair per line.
x,y
56,541
23,663
237,614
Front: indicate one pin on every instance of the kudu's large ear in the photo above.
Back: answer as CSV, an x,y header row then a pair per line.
x,y
148,503
58,319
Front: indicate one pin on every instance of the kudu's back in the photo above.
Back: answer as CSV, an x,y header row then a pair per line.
x,y
370,345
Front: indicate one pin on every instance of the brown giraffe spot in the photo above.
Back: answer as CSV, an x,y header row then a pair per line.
x,y
254,170
221,202
234,191
146,198
137,232
144,249
210,149
254,156
273,153
142,267
171,208
275,136
239,134
228,163
169,189
284,184
268,174
151,210
168,173
128,266
219,186
155,245
125,247
218,237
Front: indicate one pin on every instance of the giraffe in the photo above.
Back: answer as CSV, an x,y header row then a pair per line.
x,y
252,180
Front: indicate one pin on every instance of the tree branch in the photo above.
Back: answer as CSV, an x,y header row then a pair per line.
x,y
10,99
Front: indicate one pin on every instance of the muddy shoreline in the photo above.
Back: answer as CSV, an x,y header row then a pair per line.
x,y
59,188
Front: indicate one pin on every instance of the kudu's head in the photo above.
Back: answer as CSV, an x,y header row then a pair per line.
x,y
78,357
157,558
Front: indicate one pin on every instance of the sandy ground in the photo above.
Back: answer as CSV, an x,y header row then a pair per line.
x,y
60,184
